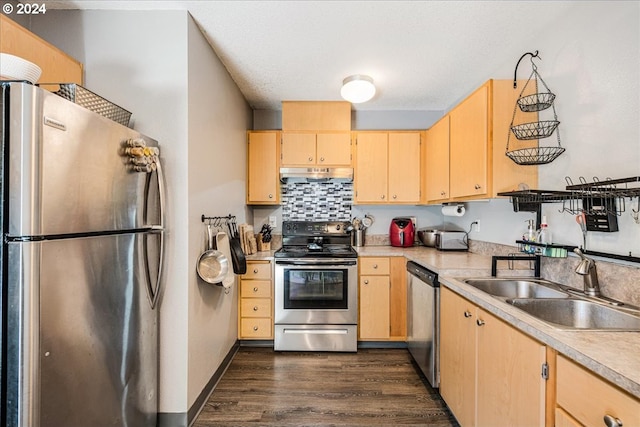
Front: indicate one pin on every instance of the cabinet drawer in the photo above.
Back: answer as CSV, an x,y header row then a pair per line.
x,y
588,398
255,289
255,307
374,266
256,270
255,328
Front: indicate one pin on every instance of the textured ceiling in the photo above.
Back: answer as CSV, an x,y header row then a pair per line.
x,y
423,55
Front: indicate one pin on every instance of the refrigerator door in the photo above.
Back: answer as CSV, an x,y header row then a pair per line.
x,y
82,333
69,171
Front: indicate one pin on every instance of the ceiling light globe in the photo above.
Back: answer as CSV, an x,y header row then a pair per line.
x,y
358,88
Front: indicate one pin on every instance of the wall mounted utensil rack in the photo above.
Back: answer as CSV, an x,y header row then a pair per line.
x,y
601,202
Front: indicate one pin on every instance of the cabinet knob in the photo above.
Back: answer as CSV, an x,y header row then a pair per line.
x,y
255,328
255,308
366,282
271,196
255,271
611,421
322,159
477,186
382,197
479,322
375,266
442,193
395,196
467,313
255,289
310,159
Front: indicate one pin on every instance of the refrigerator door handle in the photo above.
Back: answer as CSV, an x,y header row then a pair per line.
x,y
153,290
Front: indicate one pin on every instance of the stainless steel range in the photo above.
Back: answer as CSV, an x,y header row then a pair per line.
x,y
316,288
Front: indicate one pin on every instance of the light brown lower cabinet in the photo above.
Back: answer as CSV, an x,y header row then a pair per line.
x,y
490,373
382,294
585,399
256,302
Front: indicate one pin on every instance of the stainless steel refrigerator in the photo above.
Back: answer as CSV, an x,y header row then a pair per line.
x,y
82,226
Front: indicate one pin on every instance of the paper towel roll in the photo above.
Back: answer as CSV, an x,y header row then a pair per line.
x,y
453,210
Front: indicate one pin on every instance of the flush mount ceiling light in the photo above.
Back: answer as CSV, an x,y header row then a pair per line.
x,y
358,88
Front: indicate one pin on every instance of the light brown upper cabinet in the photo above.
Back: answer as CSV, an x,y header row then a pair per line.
x,y
388,167
478,131
316,115
436,169
57,66
316,149
263,187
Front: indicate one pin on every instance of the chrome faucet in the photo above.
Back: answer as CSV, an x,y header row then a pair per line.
x,y
587,269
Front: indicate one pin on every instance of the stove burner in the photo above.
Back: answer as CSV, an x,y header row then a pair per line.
x,y
315,239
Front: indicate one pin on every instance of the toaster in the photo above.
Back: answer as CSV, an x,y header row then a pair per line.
x,y
451,240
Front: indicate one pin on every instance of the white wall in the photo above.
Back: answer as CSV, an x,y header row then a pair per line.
x,y
218,118
159,66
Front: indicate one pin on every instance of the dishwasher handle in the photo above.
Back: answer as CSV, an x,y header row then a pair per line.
x,y
424,274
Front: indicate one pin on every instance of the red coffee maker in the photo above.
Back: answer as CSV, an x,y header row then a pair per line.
x,y
401,232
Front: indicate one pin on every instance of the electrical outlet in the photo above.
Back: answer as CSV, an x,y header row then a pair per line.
x,y
477,224
272,221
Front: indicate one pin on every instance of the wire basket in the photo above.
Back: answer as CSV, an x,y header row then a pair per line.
x,y
89,100
536,102
535,130
535,155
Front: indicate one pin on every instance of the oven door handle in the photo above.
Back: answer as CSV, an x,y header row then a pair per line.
x,y
316,262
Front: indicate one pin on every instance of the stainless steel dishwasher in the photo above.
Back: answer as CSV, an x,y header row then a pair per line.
x,y
423,320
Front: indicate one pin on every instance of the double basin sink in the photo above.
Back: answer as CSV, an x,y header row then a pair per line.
x,y
560,306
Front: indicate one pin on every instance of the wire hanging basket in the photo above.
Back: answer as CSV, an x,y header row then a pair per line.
x,y
534,103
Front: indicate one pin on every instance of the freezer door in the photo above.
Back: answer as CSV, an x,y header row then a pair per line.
x,y
69,171
82,332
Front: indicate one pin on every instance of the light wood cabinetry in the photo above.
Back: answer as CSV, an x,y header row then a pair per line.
x,y
383,296
57,66
263,186
316,115
490,373
256,302
436,169
315,149
388,167
583,398
478,131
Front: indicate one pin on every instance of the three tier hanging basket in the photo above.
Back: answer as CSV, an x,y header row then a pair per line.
x,y
536,130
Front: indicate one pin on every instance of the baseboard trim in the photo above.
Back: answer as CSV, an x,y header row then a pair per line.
x,y
199,403
172,419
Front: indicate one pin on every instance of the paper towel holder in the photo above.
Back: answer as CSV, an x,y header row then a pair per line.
x,y
453,209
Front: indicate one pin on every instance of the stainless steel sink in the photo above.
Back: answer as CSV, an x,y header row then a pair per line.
x,y
578,314
518,288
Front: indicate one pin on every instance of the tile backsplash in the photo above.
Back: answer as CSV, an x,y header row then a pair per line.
x,y
317,201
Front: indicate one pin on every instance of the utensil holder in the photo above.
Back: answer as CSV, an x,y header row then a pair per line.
x,y
357,238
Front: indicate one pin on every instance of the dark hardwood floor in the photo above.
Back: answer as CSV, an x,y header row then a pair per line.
x,y
373,387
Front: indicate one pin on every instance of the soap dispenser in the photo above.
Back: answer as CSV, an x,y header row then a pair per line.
x,y
530,236
544,233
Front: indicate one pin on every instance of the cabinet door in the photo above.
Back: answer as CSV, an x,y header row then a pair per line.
x,y
404,167
398,299
458,355
56,65
436,171
298,149
469,145
374,307
511,390
562,419
333,149
371,168
262,170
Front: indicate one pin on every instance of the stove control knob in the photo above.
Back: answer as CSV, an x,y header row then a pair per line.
x,y
338,227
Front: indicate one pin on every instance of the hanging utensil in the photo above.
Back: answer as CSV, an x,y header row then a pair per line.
x,y
367,221
238,257
581,219
212,265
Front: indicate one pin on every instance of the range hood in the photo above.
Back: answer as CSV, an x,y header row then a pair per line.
x,y
316,174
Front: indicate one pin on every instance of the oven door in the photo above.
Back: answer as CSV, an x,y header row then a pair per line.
x,y
316,291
